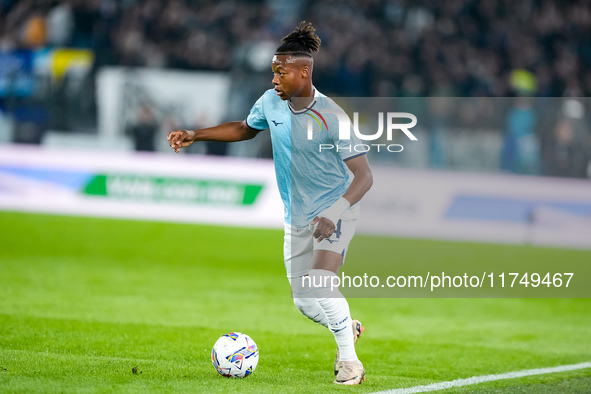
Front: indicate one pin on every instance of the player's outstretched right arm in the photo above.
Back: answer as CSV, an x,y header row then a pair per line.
x,y
227,132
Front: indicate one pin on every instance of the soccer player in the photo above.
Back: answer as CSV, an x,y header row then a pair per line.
x,y
320,198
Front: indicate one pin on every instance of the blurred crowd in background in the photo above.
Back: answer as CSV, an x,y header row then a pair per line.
x,y
379,48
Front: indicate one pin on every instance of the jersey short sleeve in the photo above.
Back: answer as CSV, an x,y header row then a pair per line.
x,y
256,118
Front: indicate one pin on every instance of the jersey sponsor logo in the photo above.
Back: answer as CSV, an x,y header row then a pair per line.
x,y
276,123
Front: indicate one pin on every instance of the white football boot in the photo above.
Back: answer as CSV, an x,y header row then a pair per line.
x,y
357,330
350,373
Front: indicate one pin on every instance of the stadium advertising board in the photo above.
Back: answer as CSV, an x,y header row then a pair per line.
x,y
181,188
230,191
499,208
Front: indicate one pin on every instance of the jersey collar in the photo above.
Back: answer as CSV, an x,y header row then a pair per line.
x,y
309,107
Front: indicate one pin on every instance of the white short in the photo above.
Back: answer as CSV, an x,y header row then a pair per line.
x,y
299,244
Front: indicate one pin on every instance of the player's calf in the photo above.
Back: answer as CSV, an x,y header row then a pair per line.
x,y
310,308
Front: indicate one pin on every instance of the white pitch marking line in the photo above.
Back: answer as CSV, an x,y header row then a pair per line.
x,y
485,378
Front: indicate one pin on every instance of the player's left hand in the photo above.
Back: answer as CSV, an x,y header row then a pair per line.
x,y
324,228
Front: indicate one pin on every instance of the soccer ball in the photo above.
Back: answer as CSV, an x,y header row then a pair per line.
x,y
235,355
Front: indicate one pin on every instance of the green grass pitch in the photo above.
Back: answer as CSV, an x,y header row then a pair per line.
x,y
100,305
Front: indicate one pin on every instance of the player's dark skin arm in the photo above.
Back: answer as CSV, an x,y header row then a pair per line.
x,y
326,259
227,132
362,182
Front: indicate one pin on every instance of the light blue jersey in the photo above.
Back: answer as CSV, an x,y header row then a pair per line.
x,y
309,180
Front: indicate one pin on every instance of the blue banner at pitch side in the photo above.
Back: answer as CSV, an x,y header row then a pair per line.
x,y
16,73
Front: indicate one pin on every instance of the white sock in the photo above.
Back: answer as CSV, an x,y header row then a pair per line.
x,y
336,308
310,308
307,304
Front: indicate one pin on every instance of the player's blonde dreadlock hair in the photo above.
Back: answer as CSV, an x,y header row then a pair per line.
x,y
302,41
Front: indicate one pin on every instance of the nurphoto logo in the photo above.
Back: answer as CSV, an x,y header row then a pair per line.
x,y
345,130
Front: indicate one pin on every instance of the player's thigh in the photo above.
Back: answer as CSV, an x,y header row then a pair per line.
x,y
297,251
326,260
